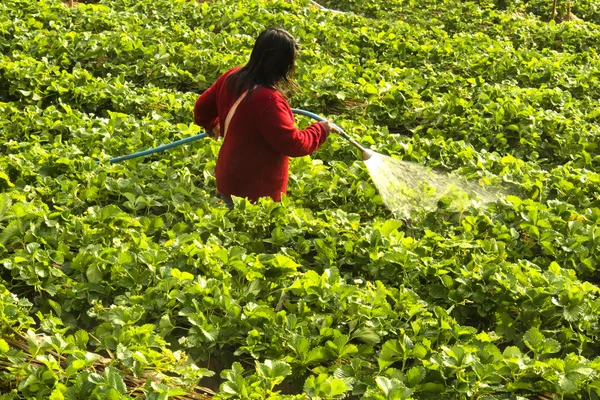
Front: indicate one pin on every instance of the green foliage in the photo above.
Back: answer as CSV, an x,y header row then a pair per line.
x,y
133,280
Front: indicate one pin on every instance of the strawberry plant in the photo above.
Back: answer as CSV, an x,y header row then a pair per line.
x,y
133,280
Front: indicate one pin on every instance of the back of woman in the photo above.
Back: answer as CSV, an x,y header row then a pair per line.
x,y
246,106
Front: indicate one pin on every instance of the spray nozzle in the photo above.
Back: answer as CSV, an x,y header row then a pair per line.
x,y
366,154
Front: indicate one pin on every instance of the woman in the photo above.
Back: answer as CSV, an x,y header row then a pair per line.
x,y
246,106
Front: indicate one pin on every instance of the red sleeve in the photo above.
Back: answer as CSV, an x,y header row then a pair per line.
x,y
205,110
276,124
206,113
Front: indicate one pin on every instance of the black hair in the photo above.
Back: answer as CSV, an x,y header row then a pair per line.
x,y
271,63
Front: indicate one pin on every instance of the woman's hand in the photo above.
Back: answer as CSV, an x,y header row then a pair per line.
x,y
216,132
328,125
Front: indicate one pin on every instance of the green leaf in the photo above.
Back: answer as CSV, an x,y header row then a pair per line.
x,y
75,366
93,273
568,383
236,384
431,387
414,376
573,313
165,325
173,392
31,379
275,371
56,307
386,385
337,387
551,346
115,380
393,388
96,378
512,352
210,332
300,345
370,89
391,225
534,339
112,394
391,351
366,335
315,355
419,351
6,179
58,392
81,338
13,229
4,347
181,276
5,203
311,386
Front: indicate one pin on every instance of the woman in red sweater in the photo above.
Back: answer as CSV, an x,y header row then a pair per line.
x,y
247,106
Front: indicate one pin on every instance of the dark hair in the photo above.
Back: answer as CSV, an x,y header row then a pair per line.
x,y
271,63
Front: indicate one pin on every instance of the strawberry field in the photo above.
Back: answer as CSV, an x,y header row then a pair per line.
x,y
132,280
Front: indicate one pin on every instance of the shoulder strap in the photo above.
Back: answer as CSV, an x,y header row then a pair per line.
x,y
231,112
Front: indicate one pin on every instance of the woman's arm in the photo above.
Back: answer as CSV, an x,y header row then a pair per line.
x,y
276,124
205,110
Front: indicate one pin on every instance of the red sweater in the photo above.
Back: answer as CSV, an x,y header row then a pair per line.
x,y
254,157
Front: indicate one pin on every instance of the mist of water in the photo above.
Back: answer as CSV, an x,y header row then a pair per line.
x,y
407,188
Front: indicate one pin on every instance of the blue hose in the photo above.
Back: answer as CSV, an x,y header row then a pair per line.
x,y
203,135
159,148
314,116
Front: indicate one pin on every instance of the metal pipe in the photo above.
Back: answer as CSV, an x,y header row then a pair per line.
x,y
366,153
323,8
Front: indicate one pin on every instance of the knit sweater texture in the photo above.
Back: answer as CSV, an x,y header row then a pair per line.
x,y
253,160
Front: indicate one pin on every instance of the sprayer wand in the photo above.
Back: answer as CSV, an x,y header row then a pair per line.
x,y
366,153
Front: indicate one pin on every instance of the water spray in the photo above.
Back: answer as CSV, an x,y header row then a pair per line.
x,y
407,186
